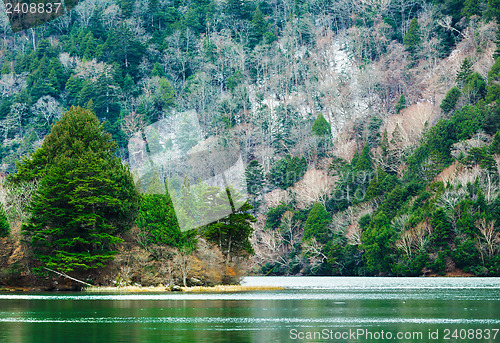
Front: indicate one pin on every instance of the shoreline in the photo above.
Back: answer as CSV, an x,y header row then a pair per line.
x,y
208,289
193,289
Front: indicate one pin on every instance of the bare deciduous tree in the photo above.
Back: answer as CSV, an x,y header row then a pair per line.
x,y
489,235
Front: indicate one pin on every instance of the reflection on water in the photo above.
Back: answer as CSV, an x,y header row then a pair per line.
x,y
310,304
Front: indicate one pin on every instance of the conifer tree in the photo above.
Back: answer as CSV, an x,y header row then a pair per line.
x,y
496,54
255,177
471,8
493,10
158,222
4,222
259,27
364,162
53,82
464,73
232,232
450,100
376,242
86,196
321,126
6,68
157,70
355,158
73,87
401,104
412,38
316,225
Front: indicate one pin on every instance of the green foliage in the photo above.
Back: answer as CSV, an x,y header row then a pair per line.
x,y
475,87
493,10
158,70
166,99
392,203
442,228
321,126
464,73
401,104
465,255
232,233
287,171
364,162
6,68
86,196
377,245
412,38
471,8
4,223
316,225
259,27
433,155
495,145
496,54
450,100
254,174
274,215
158,222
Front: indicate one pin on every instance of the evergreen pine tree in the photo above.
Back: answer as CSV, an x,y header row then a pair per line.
x,y
471,8
255,177
355,158
6,68
87,93
493,10
321,126
73,87
53,82
232,233
259,27
401,104
316,225
364,162
166,98
412,37
158,70
450,100
86,196
464,73
89,47
376,242
158,222
4,223
496,54
495,145
129,84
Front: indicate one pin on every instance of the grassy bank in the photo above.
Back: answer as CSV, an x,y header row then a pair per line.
x,y
195,289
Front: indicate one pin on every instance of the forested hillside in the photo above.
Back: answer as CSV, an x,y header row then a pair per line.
x,y
370,130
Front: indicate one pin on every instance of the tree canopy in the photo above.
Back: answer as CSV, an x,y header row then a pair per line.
x,y
86,196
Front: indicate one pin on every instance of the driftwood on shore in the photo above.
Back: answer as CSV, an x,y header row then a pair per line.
x,y
67,276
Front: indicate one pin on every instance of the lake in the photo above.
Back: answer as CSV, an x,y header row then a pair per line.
x,y
311,309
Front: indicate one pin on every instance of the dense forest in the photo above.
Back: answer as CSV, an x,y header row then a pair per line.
x,y
369,131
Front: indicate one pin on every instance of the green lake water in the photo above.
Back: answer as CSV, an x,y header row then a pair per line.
x,y
311,309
